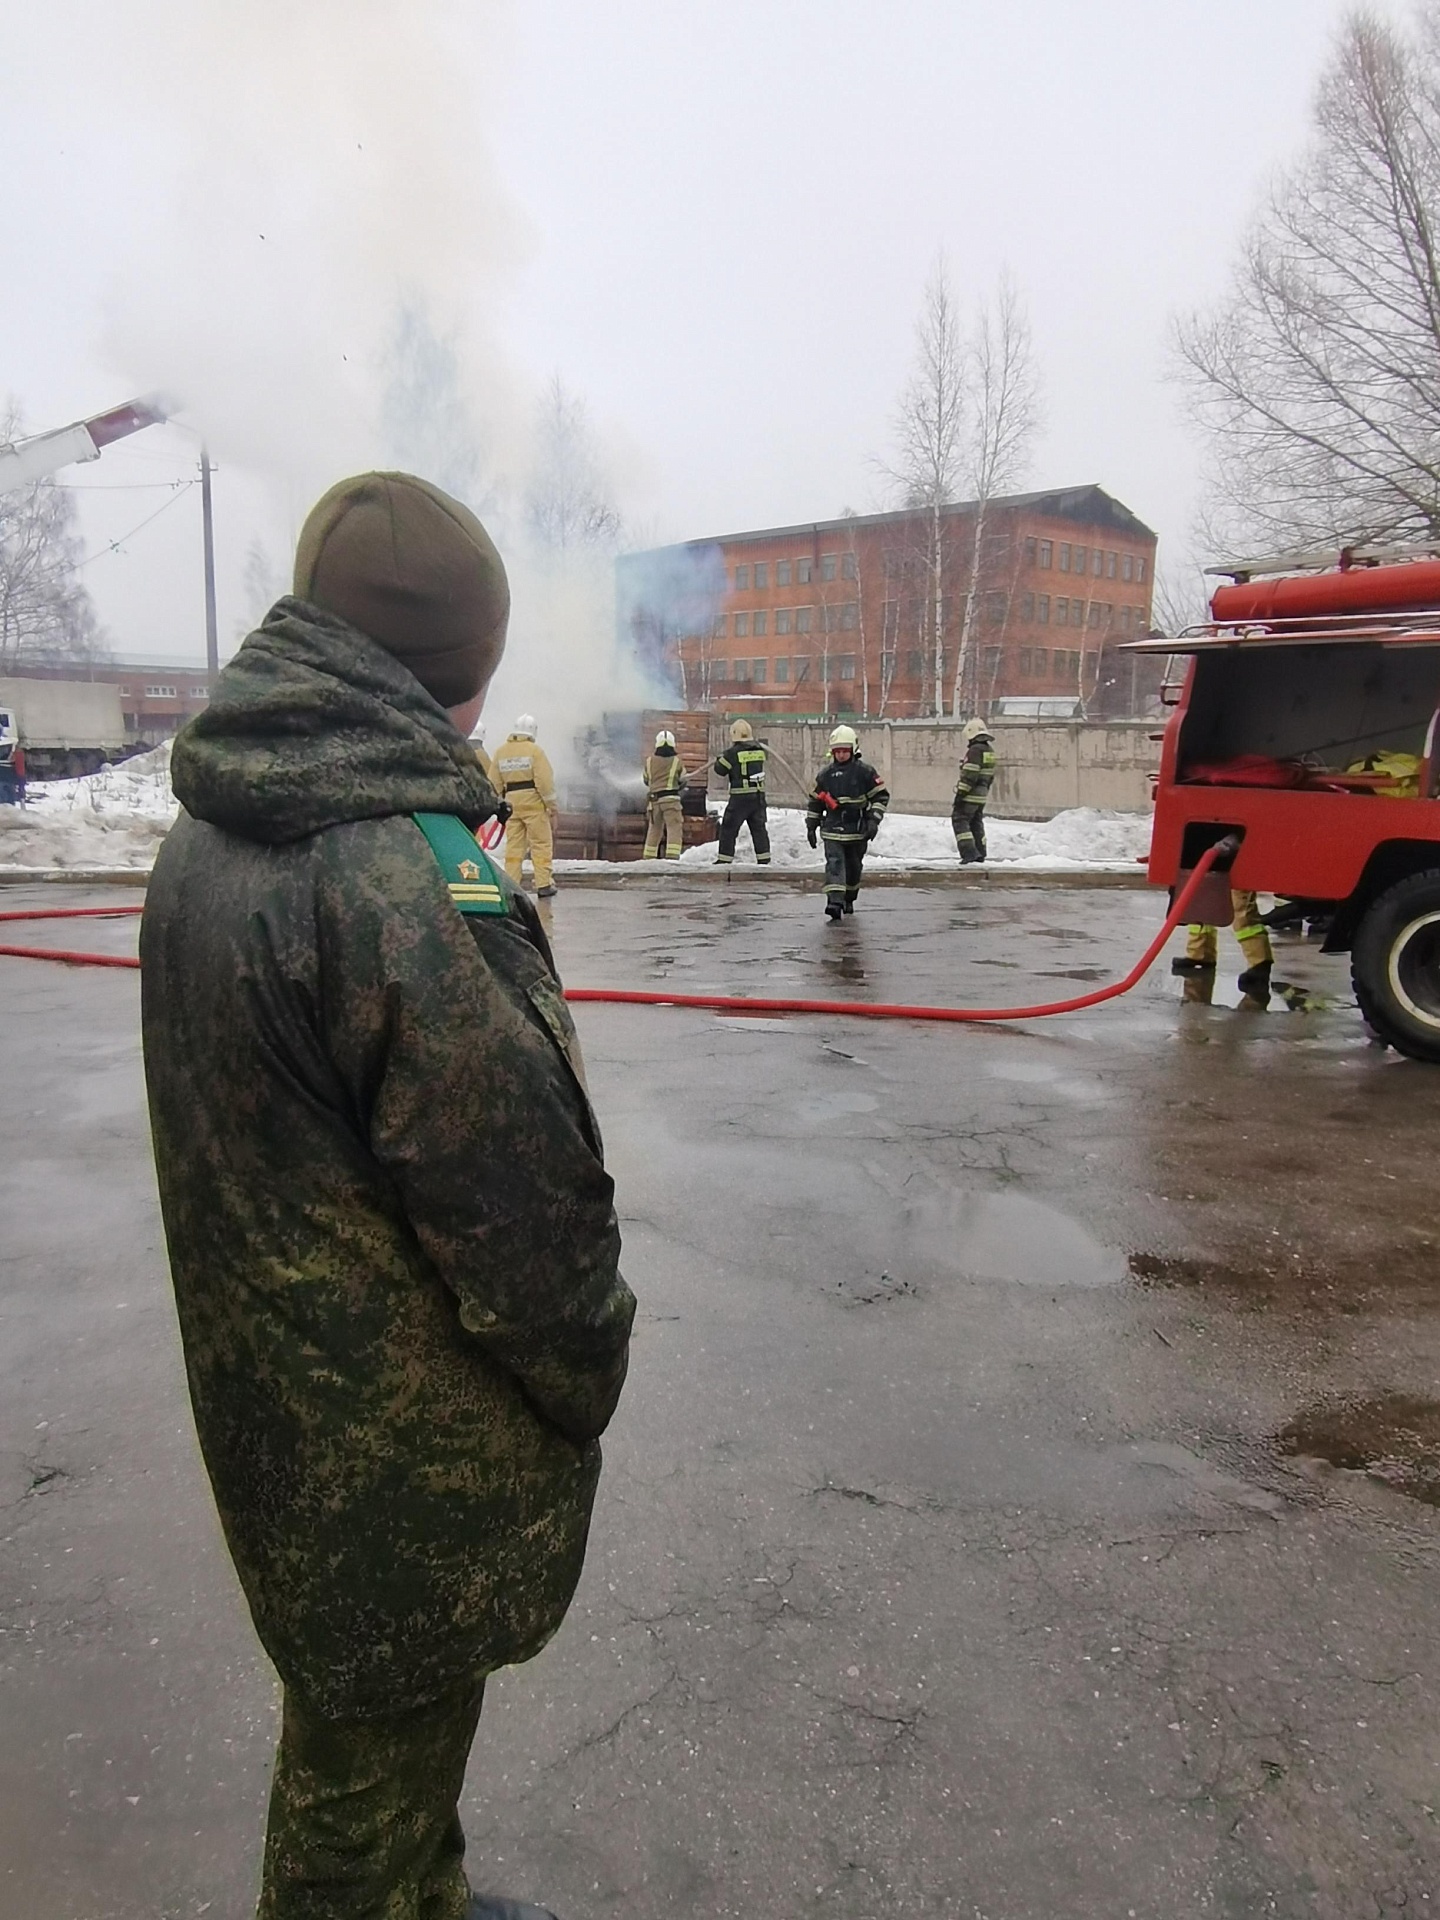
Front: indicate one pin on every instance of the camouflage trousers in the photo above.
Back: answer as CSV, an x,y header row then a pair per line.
x,y
363,1815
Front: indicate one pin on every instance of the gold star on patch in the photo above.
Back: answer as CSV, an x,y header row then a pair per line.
x,y
468,870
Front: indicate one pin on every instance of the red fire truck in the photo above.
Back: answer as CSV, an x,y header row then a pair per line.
x,y
1307,728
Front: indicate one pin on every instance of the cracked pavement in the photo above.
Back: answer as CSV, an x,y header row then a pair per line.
x,y
948,1562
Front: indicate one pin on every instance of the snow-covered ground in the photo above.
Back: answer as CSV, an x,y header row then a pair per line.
x,y
117,818
114,818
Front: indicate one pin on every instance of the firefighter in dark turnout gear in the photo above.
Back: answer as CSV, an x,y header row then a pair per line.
x,y
847,804
664,815
972,790
743,765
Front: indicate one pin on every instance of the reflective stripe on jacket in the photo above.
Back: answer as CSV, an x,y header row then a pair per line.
x,y
744,766
844,799
663,774
977,772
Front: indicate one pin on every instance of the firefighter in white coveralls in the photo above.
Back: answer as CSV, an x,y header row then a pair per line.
x,y
524,777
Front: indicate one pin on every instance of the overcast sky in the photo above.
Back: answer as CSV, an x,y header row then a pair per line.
x,y
712,217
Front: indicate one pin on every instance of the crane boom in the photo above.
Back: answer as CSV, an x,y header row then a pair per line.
x,y
25,461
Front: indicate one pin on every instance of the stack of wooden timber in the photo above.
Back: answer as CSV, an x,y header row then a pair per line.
x,y
603,816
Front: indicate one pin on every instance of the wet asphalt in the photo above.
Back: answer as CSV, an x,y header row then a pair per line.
x,y
1023,1504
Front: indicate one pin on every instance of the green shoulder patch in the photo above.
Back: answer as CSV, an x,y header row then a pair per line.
x,y
471,876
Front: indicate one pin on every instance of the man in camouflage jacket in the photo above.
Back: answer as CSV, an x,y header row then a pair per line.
x,y
389,1222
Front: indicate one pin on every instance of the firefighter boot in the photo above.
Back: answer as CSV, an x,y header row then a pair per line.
x,y
834,910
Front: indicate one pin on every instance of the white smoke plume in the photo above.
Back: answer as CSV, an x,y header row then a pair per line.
x,y
318,274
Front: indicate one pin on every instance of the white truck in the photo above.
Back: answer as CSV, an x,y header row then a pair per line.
x,y
66,727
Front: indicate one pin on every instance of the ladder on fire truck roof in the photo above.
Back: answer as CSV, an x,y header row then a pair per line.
x,y
1328,559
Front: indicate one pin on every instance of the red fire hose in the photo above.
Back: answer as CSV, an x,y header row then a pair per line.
x,y
724,1002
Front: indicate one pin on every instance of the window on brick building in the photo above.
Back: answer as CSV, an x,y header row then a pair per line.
x,y
742,669
850,615
160,693
782,573
802,573
1022,660
1124,619
1094,613
828,563
1064,556
720,670
914,664
783,619
996,605
1140,619
1027,607
804,619
1041,659
1042,609
1127,566
1097,562
1112,561
850,567
1140,570
1062,610
992,662
782,671
757,671
846,668
742,625
800,668
829,618
1077,613
1044,553
757,625
742,579
1032,550
762,573
721,626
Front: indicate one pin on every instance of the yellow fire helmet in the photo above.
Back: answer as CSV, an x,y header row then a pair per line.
x,y
740,730
844,737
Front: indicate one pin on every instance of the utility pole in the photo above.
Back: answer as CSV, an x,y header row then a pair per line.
x,y
207,514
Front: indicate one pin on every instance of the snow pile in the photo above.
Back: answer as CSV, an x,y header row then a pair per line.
x,y
114,818
117,817
1080,837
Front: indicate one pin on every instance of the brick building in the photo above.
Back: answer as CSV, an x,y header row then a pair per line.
x,y
156,698
839,616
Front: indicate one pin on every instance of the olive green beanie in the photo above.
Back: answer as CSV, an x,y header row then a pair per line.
x,y
415,571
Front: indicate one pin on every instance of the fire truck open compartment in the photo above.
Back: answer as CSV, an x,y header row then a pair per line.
x,y
1308,731
1329,706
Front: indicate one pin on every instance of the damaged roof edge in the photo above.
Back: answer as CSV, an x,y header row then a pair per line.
x,y
1088,505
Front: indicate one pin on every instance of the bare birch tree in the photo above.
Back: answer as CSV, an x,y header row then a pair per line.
x,y
966,421
46,615
1318,378
1002,413
567,503
929,440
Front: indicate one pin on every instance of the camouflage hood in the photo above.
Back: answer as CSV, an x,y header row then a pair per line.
x,y
314,725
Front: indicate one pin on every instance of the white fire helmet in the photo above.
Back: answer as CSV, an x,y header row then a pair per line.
x,y
477,733
975,730
844,737
664,738
524,727
740,730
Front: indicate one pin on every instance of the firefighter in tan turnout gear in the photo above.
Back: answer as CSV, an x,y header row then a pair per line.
x,y
1202,945
525,779
664,782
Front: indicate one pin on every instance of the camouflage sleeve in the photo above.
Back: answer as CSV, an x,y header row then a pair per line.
x,y
454,1041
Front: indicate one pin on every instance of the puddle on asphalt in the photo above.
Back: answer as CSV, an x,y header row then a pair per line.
x,y
1392,1437
823,1107
1012,1237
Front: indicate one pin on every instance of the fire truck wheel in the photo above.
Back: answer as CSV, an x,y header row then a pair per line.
x,y
1395,966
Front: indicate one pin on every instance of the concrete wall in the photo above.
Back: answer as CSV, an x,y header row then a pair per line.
x,y
1045,766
